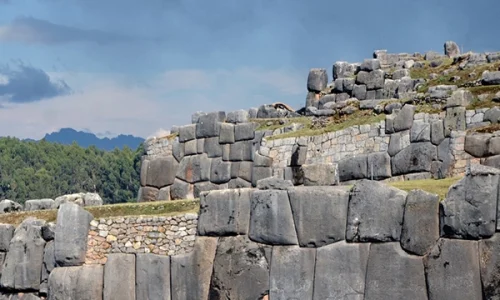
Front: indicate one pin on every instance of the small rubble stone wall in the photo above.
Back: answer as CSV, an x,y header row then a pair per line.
x,y
158,235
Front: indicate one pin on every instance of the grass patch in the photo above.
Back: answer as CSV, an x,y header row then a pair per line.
x,y
163,208
486,129
336,123
273,124
434,186
484,89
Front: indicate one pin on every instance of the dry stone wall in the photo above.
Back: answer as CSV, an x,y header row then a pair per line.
x,y
278,241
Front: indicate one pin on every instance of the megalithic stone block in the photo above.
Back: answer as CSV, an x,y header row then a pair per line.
x,y
271,220
77,283
73,224
224,212
6,234
393,274
152,277
119,277
348,260
452,270
191,273
292,273
49,264
22,268
241,269
161,171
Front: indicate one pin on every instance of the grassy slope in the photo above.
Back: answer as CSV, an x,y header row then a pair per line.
x,y
433,186
160,208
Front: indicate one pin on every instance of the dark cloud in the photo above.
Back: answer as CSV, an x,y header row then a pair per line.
x,y
28,84
35,31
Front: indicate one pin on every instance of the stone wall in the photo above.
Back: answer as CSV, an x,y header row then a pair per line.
x,y
158,235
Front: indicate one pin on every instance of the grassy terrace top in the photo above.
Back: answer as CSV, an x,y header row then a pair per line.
x,y
170,208
160,208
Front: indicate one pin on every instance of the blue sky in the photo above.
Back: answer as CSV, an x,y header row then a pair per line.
x,y
128,66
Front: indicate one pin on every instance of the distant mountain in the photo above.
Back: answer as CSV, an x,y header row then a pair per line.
x,y
66,136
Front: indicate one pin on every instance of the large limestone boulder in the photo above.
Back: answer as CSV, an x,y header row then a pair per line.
x,y
7,206
73,224
152,277
393,274
375,212
6,234
195,168
224,212
161,171
78,283
452,270
417,157
22,268
38,204
208,125
271,220
49,264
241,269
82,199
348,262
320,214
489,260
317,80
319,174
470,208
292,273
119,277
451,49
421,222
191,272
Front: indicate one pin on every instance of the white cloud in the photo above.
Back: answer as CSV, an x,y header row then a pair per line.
x,y
106,103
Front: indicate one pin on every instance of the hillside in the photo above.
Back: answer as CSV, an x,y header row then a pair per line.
x,y
35,170
67,136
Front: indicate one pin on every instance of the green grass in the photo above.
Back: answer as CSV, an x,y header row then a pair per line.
x,y
336,123
273,124
160,208
434,186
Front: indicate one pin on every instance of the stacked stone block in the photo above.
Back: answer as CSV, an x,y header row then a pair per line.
x,y
217,151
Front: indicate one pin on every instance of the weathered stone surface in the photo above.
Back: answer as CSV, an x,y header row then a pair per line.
x,y
6,234
191,147
492,115
320,214
347,281
220,171
369,65
343,69
144,171
224,212
73,224
417,157
161,171
244,131
271,220
7,206
359,91
470,208
454,120
23,263
404,118
238,183
164,194
259,173
209,125
459,98
399,141
119,277
317,80
262,161
421,222
491,78
299,155
38,204
152,277
194,169
242,169
373,80
477,144
352,168
241,151
196,116
420,131
451,49
399,74
274,183
379,166
452,271
375,212
78,283
147,194
177,151
437,132
319,174
292,273
190,273
206,186
49,264
187,133
238,116
241,270
492,161
212,148
489,261
226,133
393,274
